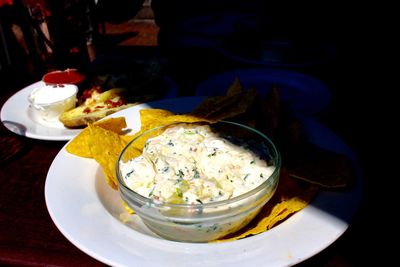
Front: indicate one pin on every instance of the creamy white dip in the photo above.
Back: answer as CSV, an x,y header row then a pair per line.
x,y
50,101
50,94
191,164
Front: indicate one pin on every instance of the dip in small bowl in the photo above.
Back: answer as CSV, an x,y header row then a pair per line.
x,y
48,102
68,76
198,183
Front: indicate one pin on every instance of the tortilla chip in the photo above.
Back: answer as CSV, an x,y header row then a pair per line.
x,y
79,145
116,125
215,103
235,88
238,104
319,166
105,146
152,118
127,208
291,196
128,138
183,119
149,116
140,138
235,102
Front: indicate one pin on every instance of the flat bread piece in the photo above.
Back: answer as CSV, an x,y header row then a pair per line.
x,y
96,107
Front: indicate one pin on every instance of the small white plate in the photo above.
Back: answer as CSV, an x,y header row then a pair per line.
x,y
16,117
89,213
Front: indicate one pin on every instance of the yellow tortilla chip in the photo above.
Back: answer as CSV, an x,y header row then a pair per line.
x,y
183,119
149,115
79,145
151,118
136,149
105,147
291,196
127,208
128,138
113,124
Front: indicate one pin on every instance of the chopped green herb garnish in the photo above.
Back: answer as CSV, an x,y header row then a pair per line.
x,y
214,153
180,174
198,200
252,162
196,173
152,190
179,192
245,177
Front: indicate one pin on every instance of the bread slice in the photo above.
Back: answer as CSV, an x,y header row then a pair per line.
x,y
76,117
95,108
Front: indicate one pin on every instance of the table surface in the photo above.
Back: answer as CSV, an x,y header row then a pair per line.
x,y
28,236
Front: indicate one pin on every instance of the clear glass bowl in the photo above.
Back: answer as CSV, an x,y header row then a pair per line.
x,y
211,220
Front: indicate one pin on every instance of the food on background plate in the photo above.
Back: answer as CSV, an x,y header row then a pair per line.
x,y
96,105
50,101
105,90
297,186
68,76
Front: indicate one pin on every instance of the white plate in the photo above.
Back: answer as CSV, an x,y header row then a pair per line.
x,y
90,215
16,116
